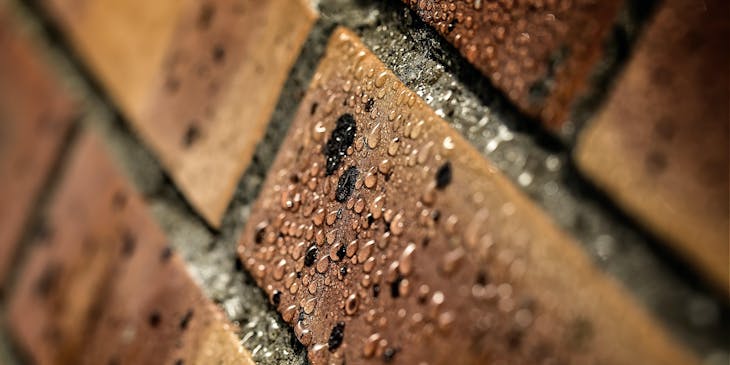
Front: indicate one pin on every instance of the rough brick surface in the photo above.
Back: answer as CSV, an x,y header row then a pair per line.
x,y
198,80
35,115
101,286
540,53
660,144
382,235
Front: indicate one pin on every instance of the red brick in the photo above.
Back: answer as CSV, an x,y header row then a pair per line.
x,y
660,144
104,286
205,84
539,53
372,188
36,113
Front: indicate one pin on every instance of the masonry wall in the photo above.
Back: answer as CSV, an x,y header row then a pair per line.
x,y
363,182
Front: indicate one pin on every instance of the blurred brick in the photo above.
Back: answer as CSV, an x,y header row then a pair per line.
x,y
540,53
382,235
35,114
204,95
104,288
660,144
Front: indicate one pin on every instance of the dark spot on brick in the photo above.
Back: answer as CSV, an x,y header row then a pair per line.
x,y
48,279
128,243
341,252
179,362
113,361
341,138
346,184
311,256
435,215
276,298
482,278
192,135
443,175
580,333
185,320
172,85
219,53
389,354
43,231
336,336
166,254
514,339
371,219
205,16
369,105
299,274
154,319
119,201
395,287
302,316
313,108
376,290
343,271
656,162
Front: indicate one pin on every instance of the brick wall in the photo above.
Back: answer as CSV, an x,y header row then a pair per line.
x,y
340,181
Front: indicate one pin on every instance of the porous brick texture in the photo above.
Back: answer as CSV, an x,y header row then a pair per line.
x,y
364,182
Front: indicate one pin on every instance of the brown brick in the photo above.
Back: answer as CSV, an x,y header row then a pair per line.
x,y
105,288
539,53
35,114
204,95
660,144
381,234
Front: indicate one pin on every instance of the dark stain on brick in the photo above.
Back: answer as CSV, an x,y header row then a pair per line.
x,y
154,319
219,54
395,287
185,320
313,108
343,136
48,280
443,175
343,271
119,201
166,254
346,184
341,252
192,134
129,242
205,16
376,290
336,336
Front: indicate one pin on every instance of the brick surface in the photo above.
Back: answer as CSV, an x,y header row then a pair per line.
x,y
203,84
381,235
660,144
539,53
35,114
101,286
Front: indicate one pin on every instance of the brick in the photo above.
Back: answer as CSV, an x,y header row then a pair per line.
x,y
659,146
204,102
539,53
103,287
36,114
380,234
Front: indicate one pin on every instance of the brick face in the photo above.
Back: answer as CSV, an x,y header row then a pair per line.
x,y
203,97
35,115
382,235
660,144
102,286
539,53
